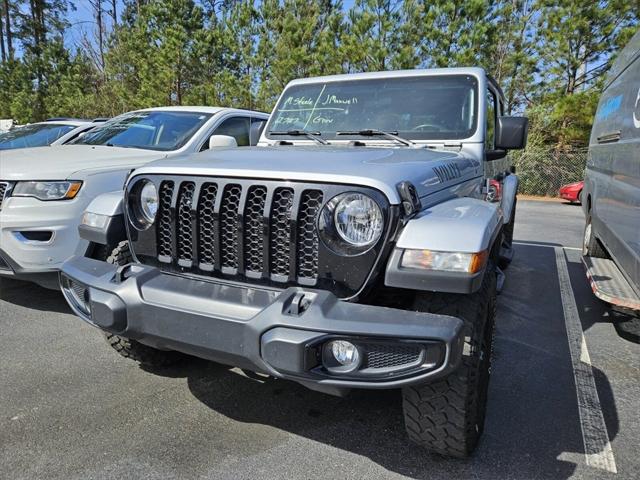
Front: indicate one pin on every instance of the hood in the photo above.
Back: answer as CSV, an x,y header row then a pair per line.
x,y
63,161
382,168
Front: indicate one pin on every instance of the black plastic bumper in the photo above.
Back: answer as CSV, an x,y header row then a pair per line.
x,y
47,278
280,333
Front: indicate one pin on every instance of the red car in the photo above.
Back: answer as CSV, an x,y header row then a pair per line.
x,y
572,192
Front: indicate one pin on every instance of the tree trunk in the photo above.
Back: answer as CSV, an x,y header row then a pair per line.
x,y
98,6
114,12
7,28
3,53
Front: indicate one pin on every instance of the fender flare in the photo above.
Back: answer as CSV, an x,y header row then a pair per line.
x,y
509,191
110,207
465,225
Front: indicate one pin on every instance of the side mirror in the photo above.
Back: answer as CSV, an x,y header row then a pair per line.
x,y
217,141
511,133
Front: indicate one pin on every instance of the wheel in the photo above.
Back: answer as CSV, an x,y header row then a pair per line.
x,y
579,197
447,416
591,246
132,349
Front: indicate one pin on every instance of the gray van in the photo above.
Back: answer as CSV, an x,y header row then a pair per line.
x,y
611,195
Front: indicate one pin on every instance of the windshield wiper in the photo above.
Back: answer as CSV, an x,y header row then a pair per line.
x,y
302,133
371,132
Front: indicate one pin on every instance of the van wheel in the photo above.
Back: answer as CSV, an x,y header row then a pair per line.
x,y
447,416
143,354
591,246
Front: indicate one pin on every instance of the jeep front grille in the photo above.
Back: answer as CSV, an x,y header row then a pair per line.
x,y
251,231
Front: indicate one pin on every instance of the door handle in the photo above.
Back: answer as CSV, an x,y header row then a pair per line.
x,y
610,137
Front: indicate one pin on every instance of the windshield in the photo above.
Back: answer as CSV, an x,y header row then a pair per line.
x,y
155,130
419,108
36,135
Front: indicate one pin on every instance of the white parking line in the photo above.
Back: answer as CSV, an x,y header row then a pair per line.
x,y
531,244
597,448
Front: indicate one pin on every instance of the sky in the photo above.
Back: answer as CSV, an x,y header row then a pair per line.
x,y
83,22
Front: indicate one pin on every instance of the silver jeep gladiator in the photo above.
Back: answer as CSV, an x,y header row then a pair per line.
x,y
354,247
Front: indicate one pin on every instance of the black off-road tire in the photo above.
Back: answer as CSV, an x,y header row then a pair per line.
x,y
591,246
447,415
121,254
143,354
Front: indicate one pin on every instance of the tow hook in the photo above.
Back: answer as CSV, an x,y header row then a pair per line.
x,y
298,304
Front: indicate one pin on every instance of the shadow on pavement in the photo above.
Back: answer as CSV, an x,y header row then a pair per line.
x,y
516,443
533,425
30,295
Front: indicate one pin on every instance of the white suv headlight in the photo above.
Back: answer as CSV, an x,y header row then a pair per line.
x,y
65,190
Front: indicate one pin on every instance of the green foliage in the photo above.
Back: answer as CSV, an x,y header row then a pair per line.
x,y
577,38
458,32
549,56
297,38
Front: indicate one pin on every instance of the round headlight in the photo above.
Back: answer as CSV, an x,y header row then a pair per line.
x,y
358,220
149,202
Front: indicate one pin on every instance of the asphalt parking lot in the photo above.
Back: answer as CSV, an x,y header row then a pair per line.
x,y
71,408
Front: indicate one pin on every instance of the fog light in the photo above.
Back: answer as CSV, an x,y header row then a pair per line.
x,y
344,352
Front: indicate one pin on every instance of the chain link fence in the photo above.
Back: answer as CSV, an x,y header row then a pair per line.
x,y
542,171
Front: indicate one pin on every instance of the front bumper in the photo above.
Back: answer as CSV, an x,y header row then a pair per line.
x,y
569,194
36,237
280,333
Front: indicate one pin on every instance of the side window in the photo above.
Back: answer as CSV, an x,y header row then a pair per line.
x,y
257,125
236,127
489,141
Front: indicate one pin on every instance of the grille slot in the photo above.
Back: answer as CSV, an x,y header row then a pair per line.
x,y
387,356
280,239
206,226
229,226
253,231
164,230
307,238
184,225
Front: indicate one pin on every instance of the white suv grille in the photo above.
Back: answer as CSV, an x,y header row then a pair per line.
x,y
4,190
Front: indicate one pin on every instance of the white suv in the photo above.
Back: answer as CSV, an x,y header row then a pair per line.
x,y
43,191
